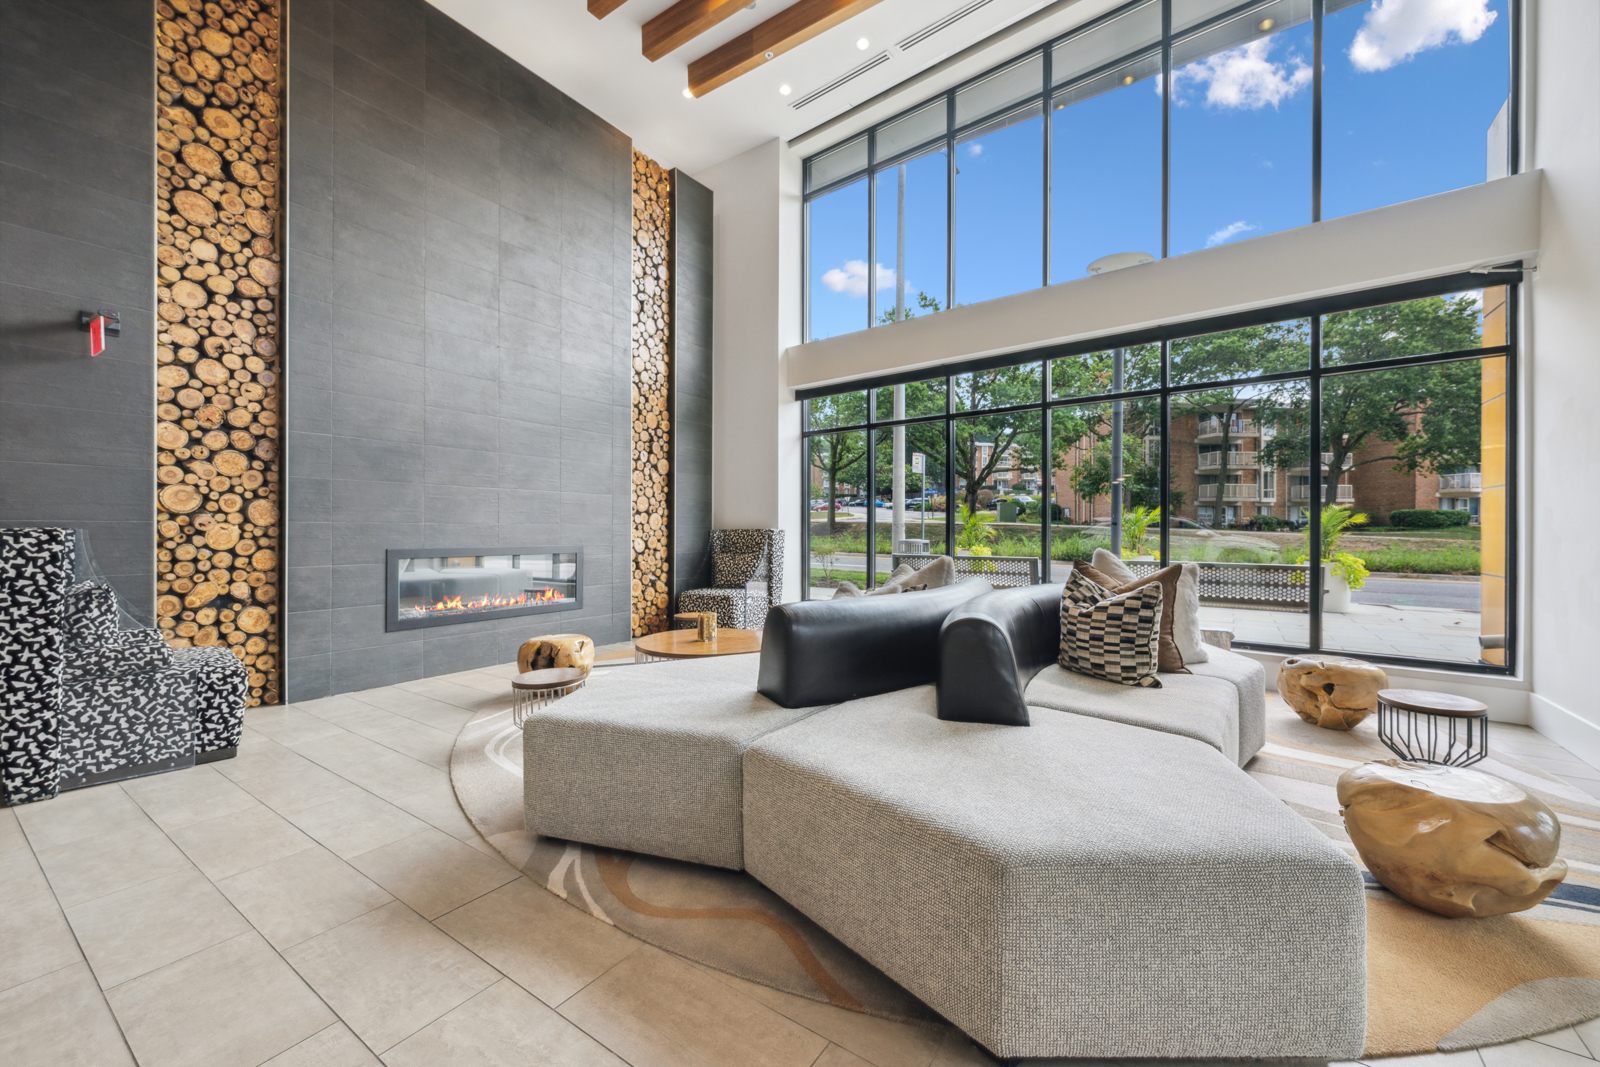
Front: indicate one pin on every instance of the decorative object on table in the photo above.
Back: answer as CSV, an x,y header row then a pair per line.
x,y
87,701
1457,842
906,579
1111,636
753,586
707,627
556,650
1185,603
535,689
1427,727
686,644
1333,692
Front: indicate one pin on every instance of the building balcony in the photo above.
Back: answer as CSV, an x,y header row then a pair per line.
x,y
1301,494
1246,492
1237,461
1327,459
1471,481
1213,427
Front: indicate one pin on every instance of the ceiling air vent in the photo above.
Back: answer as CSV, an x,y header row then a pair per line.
x,y
817,94
944,23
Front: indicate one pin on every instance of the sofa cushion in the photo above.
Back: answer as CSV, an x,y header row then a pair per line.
x,y
647,758
1111,636
1249,678
1080,888
1206,709
824,651
1171,658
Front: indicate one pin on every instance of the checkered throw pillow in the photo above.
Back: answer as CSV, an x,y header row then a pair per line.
x,y
1111,636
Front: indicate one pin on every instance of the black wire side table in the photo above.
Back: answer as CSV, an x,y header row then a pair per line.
x,y
1426,727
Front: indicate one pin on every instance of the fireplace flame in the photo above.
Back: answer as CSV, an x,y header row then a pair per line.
x,y
455,604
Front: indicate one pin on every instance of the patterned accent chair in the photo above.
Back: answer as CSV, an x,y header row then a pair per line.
x,y
86,702
747,579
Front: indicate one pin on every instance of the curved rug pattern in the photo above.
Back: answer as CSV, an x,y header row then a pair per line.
x,y
1433,984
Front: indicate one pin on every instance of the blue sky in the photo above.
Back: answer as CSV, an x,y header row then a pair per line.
x,y
1411,88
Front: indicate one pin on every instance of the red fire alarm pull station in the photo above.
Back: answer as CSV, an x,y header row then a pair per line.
x,y
98,325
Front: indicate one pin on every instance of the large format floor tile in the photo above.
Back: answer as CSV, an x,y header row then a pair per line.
x,y
235,843
118,859
193,795
60,1020
360,822
539,941
656,1010
34,936
389,973
234,1003
501,1027
178,915
302,895
334,1046
433,872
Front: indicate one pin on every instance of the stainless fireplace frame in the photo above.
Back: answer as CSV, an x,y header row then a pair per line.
x,y
393,622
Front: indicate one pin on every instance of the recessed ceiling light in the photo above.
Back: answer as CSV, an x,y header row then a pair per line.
x,y
769,55
785,90
688,93
1266,24
1128,80
862,44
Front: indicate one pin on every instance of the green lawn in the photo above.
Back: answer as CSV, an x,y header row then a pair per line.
x,y
1449,533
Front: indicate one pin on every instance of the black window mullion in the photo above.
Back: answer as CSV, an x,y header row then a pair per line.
x,y
1166,123
1317,493
1166,462
870,580
1046,65
1316,110
872,232
950,469
950,204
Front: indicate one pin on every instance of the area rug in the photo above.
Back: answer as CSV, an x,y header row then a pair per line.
x,y
1433,984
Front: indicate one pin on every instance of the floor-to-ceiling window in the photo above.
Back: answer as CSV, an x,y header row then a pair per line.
x,y
1341,470
1161,128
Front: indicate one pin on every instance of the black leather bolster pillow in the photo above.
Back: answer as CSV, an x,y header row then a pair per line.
x,y
991,647
828,651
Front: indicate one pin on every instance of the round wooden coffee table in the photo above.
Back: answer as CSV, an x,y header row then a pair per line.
x,y
686,644
535,689
1427,727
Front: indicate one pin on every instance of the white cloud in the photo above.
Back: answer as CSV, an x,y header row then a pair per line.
x,y
1396,30
975,148
1228,233
852,278
1246,77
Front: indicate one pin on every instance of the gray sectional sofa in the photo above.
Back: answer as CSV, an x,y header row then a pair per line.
x,y
1103,882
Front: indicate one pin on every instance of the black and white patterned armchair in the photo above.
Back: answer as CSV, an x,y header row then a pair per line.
x,y
747,579
86,702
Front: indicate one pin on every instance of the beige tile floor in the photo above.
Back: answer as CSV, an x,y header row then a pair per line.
x,y
320,901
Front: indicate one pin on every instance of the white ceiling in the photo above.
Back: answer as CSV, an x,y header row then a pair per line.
x,y
598,63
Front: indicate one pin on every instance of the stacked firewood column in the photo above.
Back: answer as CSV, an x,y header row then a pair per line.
x,y
651,425
219,213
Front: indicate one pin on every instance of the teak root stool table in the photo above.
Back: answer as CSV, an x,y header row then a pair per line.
x,y
535,689
1425,727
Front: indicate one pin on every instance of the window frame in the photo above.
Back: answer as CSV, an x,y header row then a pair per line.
x,y
1048,92
1313,375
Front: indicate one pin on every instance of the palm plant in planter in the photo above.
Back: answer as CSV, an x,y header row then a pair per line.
x,y
1135,529
1342,571
975,535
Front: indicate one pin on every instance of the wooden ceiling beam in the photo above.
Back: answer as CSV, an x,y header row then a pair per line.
x,y
792,26
601,8
683,22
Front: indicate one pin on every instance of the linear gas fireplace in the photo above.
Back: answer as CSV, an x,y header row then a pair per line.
x,y
438,586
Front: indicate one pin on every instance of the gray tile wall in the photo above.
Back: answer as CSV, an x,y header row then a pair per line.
x,y
77,232
690,367
457,359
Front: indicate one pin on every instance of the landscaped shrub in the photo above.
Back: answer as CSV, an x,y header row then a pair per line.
x,y
1428,518
1269,524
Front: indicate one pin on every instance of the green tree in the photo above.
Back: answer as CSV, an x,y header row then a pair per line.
x,y
1016,437
924,301
1428,415
838,457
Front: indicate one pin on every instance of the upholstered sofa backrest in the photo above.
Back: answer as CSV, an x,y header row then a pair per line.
x,y
828,651
991,647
